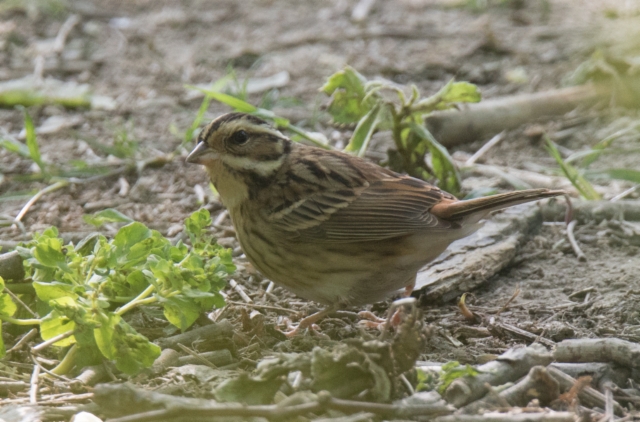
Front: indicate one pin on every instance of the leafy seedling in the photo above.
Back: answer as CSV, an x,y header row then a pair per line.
x,y
81,287
354,100
452,371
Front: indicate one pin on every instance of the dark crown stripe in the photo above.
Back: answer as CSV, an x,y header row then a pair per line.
x,y
230,117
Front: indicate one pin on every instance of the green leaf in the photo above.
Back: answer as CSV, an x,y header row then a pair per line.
x,y
55,324
197,222
575,177
452,371
128,237
104,335
441,162
48,251
32,142
447,97
363,132
53,290
87,245
426,380
118,341
180,311
461,92
7,307
108,215
347,90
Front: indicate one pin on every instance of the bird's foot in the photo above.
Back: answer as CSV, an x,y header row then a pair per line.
x,y
394,318
309,322
370,320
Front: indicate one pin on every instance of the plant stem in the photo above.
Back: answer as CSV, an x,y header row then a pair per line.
x,y
40,194
16,321
52,340
20,288
67,363
137,301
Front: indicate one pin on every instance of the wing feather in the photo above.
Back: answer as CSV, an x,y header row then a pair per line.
x,y
380,210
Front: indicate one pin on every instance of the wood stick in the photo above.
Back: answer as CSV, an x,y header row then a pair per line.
x,y
621,352
208,332
538,384
473,121
509,367
588,396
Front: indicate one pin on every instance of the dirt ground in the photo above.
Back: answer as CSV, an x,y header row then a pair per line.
x,y
143,53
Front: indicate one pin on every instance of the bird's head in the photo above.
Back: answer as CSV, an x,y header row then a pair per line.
x,y
240,143
241,153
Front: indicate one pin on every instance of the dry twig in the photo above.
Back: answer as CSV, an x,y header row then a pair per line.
x,y
486,147
35,380
166,407
574,244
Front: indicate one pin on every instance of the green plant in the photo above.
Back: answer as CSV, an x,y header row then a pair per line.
x,y
576,167
85,289
354,100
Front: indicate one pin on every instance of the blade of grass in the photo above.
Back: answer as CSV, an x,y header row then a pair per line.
x,y
16,147
364,130
618,174
575,177
32,142
217,86
591,155
227,99
441,162
245,107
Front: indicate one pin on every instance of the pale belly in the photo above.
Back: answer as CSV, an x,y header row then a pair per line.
x,y
340,273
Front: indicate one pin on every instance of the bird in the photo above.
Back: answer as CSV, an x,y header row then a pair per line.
x,y
329,226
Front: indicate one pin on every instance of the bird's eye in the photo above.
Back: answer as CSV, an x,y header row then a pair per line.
x,y
238,138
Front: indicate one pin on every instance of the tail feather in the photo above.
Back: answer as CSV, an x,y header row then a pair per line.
x,y
480,207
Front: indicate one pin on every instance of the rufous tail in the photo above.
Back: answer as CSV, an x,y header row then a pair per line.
x,y
480,207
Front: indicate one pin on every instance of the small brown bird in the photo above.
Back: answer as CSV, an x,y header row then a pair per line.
x,y
329,226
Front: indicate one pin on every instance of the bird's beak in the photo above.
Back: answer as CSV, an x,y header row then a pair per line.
x,y
198,153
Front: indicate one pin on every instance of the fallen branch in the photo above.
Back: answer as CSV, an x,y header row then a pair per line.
x,y
600,373
208,332
473,121
509,367
538,384
588,396
512,417
621,352
154,406
469,262
595,211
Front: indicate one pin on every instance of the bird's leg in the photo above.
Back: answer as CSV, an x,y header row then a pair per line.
x,y
308,321
372,321
408,289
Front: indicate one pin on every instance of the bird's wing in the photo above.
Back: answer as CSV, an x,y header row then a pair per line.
x,y
347,207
